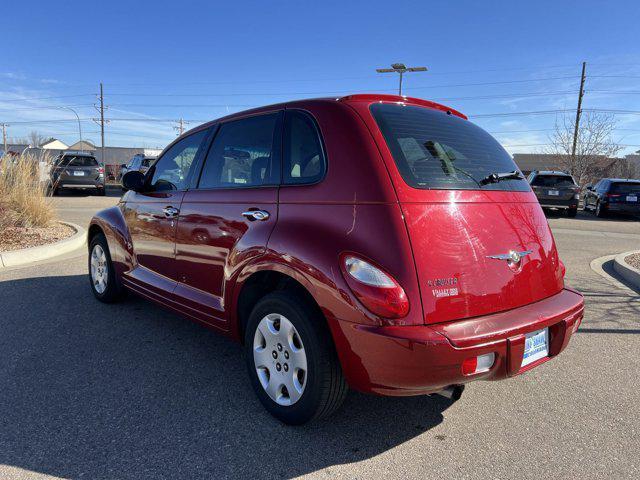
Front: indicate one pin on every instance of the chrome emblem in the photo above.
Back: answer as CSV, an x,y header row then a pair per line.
x,y
513,257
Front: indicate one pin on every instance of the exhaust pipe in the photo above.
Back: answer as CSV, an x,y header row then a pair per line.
x,y
453,392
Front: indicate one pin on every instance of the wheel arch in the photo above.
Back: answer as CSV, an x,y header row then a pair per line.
x,y
258,282
110,222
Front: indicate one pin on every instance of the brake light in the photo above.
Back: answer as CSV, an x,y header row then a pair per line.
x,y
378,291
100,169
613,195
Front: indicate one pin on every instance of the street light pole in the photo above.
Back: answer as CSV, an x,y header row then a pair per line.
x,y
79,125
401,69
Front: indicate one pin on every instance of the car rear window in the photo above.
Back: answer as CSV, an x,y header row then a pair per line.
x,y
79,161
625,187
434,150
553,181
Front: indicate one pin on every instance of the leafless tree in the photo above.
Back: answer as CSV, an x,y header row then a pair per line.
x,y
626,168
33,139
36,139
595,142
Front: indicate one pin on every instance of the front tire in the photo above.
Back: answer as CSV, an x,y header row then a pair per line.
x,y
292,362
102,275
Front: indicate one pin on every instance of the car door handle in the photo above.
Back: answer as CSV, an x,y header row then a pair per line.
x,y
256,215
170,212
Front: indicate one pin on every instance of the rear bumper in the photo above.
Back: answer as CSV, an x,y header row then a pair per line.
x,y
79,182
415,360
623,208
555,203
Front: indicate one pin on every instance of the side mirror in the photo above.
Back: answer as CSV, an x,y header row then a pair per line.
x,y
134,180
589,187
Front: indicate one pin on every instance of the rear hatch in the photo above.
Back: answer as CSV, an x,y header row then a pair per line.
x,y
78,169
551,188
626,193
478,248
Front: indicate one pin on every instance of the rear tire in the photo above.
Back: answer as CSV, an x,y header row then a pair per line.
x,y
102,275
572,212
285,335
100,192
600,212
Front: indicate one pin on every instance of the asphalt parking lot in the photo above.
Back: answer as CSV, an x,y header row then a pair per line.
x,y
131,391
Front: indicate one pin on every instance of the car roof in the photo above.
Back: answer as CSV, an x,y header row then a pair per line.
x,y
360,97
77,153
552,172
623,180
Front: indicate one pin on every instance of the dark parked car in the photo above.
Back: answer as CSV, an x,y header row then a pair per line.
x,y
555,190
613,195
78,171
376,241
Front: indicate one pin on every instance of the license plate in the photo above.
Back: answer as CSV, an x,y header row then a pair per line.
x,y
632,198
536,346
78,173
555,193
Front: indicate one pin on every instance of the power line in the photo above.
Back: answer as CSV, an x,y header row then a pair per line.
x,y
614,76
331,92
194,120
53,97
546,112
45,107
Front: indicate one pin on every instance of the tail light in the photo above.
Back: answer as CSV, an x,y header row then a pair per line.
x,y
100,169
613,195
378,291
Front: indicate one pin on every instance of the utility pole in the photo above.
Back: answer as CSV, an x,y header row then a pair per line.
x,y
102,124
401,69
101,121
578,111
180,126
4,137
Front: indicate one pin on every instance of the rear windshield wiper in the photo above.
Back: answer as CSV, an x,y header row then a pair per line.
x,y
498,177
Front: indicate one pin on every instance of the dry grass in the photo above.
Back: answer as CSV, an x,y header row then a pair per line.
x,y
23,198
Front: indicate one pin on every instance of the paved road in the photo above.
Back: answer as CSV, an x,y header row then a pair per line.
x,y
132,391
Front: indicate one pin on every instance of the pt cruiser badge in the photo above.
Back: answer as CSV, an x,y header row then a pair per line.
x,y
513,257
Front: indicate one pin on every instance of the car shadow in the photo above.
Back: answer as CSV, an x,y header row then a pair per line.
x,y
129,390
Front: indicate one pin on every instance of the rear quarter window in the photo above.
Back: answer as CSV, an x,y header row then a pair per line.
x,y
434,150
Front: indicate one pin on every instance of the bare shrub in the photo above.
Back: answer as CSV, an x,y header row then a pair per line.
x,y
23,199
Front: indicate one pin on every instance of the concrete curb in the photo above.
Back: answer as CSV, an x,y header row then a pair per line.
x,y
622,268
44,252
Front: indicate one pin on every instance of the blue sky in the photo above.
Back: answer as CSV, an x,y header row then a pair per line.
x,y
161,61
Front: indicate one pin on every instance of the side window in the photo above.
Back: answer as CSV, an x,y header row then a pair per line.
x,y
241,154
172,169
304,160
602,186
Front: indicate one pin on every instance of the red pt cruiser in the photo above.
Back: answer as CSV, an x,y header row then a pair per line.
x,y
373,241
